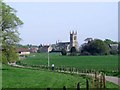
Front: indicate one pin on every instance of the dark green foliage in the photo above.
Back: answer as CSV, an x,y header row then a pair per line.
x,y
73,51
63,52
95,47
98,47
85,53
108,41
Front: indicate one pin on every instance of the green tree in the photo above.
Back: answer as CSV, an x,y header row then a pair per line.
x,y
95,47
63,52
10,34
98,47
73,51
88,40
108,41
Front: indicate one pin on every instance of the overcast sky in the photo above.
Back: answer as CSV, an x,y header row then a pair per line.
x,y
46,23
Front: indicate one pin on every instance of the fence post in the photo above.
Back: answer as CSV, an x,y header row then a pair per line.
x,y
101,80
48,88
87,84
95,81
60,69
78,86
64,88
104,81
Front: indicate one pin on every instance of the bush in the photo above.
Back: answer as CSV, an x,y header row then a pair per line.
x,y
63,52
113,52
85,53
73,51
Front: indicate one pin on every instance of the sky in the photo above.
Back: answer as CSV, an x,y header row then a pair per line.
x,y
48,22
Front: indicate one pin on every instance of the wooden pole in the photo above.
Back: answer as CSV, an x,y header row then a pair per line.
x,y
104,81
93,84
64,88
87,84
48,60
78,86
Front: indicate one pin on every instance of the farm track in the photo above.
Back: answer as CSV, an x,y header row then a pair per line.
x,y
112,79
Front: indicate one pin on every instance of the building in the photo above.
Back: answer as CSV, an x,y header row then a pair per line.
x,y
23,51
73,40
114,47
67,45
62,45
33,50
44,48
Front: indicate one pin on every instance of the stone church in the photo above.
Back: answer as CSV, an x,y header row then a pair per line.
x,y
67,45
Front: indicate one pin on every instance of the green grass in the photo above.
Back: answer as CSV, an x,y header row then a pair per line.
x,y
108,63
28,78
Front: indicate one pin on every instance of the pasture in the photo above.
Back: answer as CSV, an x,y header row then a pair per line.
x,y
105,63
13,77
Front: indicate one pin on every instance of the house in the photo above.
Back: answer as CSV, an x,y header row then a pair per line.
x,y
33,50
44,48
23,51
114,46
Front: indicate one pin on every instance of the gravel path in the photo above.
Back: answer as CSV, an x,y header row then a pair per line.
x,y
112,79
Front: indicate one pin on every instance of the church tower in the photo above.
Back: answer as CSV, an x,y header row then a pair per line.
x,y
73,40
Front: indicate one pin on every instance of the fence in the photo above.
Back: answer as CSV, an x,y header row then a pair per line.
x,y
98,78
78,87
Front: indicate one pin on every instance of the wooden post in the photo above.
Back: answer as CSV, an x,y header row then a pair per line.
x,y
93,83
48,59
64,88
48,88
101,81
78,86
87,84
104,81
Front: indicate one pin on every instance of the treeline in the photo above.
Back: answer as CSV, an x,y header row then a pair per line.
x,y
95,47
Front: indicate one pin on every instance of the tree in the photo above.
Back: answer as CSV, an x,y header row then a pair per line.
x,y
95,47
73,51
63,52
108,41
98,47
10,35
88,40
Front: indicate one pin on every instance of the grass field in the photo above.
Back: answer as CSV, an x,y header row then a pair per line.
x,y
28,78
108,63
